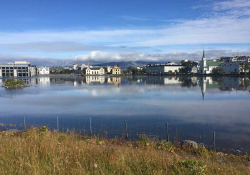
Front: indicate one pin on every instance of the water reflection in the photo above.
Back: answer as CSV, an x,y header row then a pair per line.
x,y
194,107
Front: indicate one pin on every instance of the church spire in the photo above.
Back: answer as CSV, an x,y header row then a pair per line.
x,y
203,54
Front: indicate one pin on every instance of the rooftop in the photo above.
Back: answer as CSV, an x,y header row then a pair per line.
x,y
213,63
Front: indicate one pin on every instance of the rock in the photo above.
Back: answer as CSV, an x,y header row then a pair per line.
x,y
189,144
11,131
201,145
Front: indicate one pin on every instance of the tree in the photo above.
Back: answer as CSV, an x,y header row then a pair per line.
x,y
105,68
218,70
245,67
182,70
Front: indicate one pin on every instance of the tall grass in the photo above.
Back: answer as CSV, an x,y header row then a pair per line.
x,y
38,151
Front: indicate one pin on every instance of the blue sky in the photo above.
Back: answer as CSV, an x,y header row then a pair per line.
x,y
122,31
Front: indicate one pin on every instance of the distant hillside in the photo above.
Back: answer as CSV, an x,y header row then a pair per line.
x,y
125,64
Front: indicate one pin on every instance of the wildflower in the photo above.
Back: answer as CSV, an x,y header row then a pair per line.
x,y
147,144
219,169
95,165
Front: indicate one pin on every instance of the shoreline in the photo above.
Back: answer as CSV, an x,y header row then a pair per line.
x,y
167,75
49,152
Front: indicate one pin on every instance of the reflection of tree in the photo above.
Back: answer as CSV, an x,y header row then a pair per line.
x,y
244,82
218,80
187,82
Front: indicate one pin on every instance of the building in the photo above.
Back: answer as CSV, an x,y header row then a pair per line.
x,y
192,70
18,69
43,70
95,71
162,69
206,67
241,59
233,67
116,70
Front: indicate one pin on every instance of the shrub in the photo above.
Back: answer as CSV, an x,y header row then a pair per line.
x,y
13,83
189,167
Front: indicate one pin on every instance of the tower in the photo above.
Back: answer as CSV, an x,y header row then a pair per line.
x,y
203,63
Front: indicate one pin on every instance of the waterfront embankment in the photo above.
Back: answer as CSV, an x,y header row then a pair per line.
x,y
39,151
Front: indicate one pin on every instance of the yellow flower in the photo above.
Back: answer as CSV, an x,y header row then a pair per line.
x,y
147,144
219,169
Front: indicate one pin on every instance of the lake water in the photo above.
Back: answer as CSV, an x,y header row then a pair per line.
x,y
193,107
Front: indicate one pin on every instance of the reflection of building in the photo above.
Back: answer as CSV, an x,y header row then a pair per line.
x,y
207,83
17,69
115,80
44,80
162,80
95,71
43,70
162,69
116,70
206,67
235,84
95,79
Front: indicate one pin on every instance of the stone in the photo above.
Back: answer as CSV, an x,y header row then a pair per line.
x,y
11,131
189,144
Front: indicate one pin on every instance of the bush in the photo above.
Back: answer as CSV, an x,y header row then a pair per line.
x,y
13,83
187,167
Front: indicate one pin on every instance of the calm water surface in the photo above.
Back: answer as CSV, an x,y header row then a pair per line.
x,y
193,107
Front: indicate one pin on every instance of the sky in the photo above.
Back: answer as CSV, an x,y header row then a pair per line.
x,y
47,32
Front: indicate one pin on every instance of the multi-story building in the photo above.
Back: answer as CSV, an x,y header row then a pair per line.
x,y
233,67
116,70
95,71
162,69
17,69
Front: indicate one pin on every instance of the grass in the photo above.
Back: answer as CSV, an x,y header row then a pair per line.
x,y
38,151
13,83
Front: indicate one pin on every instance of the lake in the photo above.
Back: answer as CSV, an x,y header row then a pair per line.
x,y
193,107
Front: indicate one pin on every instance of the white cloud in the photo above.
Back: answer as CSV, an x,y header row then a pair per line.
x,y
229,22
151,57
231,4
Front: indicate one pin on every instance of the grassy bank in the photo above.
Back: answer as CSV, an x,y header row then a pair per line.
x,y
39,151
12,83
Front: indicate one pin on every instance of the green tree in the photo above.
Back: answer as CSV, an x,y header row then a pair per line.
x,y
245,67
218,70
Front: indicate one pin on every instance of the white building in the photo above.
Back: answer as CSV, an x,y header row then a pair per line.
x,y
109,69
233,67
43,70
241,59
95,71
75,67
206,67
162,69
17,69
